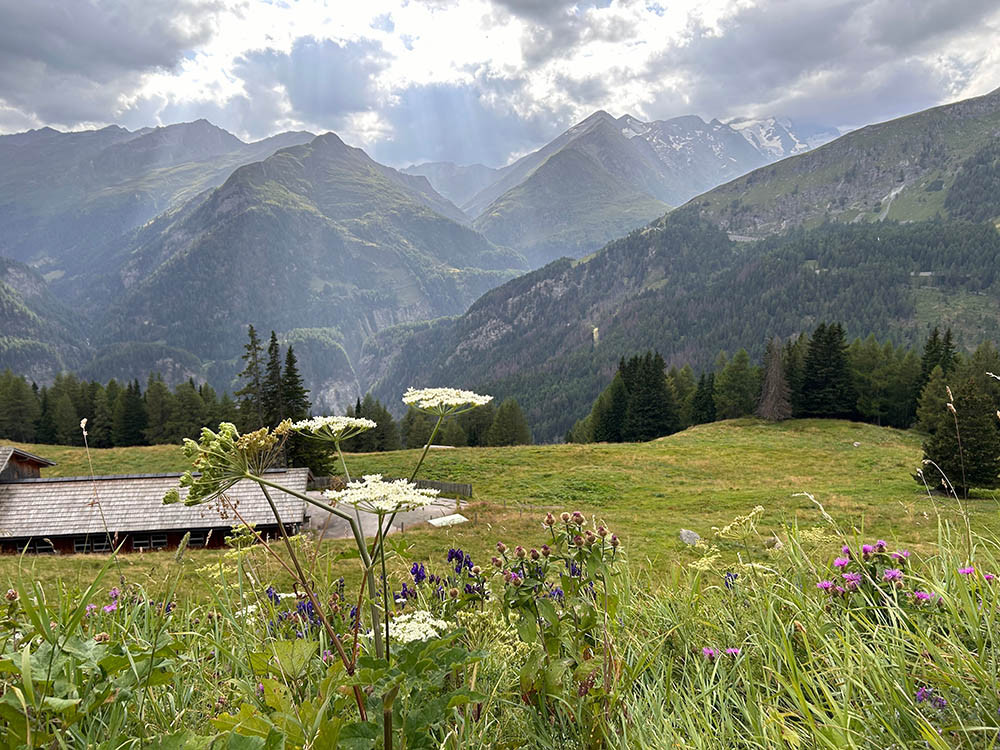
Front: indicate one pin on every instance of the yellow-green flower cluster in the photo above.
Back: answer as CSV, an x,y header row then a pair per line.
x,y
221,459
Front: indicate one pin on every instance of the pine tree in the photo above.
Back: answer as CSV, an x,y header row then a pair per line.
x,y
794,359
251,396
187,416
416,428
128,417
931,409
45,429
966,445
827,387
272,389
931,357
65,419
476,423
774,404
509,426
19,408
651,411
159,405
607,417
949,356
703,403
99,428
683,384
452,434
737,387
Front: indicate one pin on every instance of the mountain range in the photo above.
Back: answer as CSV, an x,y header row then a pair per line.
x,y
130,252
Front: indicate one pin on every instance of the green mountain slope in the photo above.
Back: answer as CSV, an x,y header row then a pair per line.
x,y
570,205
39,335
900,170
64,194
552,338
317,236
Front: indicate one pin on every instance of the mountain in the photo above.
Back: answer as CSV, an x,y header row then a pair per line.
x,y
606,176
40,336
455,182
778,138
553,338
64,194
317,241
912,168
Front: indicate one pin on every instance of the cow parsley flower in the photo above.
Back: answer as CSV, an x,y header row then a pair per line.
x,y
375,495
334,429
419,625
443,401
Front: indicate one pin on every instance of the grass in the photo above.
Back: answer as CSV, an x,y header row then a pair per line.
x,y
696,479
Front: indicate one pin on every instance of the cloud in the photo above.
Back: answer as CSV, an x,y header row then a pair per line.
x,y
464,123
68,63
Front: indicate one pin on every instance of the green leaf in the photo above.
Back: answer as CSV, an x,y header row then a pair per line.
x,y
527,629
358,735
183,740
59,705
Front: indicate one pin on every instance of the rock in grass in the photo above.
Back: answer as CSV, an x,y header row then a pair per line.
x,y
689,537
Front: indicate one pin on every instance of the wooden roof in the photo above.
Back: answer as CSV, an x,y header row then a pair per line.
x,y
58,506
7,452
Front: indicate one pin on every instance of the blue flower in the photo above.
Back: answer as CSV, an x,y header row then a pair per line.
x,y
418,573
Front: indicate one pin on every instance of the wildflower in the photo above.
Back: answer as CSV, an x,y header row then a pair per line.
x,y
418,573
988,576
12,595
846,550
375,495
497,562
967,571
546,551
825,585
867,550
102,638
733,652
453,593
709,653
614,541
892,574
841,562
334,429
880,545
91,608
922,596
602,531
902,556
853,580
273,595
578,541
108,608
729,579
443,401
534,554
578,518
501,547
260,689
565,517
519,551
114,593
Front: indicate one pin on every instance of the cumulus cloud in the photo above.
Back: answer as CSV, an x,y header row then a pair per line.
x,y
483,80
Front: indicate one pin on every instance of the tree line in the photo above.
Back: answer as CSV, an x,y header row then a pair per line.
x,y
270,390
817,375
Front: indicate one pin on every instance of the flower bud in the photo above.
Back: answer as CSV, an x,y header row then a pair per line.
x,y
578,540
501,547
102,638
534,554
476,570
614,541
578,518
12,595
497,562
520,552
453,593
565,517
602,531
550,520
546,551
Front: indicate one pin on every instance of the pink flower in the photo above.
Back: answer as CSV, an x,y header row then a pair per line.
x,y
841,562
733,652
880,545
852,579
967,571
825,585
902,556
709,653
867,550
893,574
846,550
922,596
108,608
988,576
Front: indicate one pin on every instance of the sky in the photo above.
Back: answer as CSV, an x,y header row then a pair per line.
x,y
482,80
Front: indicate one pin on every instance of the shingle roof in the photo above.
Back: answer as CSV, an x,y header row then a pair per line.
x,y
51,507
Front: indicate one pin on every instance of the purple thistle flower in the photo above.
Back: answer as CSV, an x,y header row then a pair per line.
x,y
892,574
260,688
114,593
902,555
852,579
91,608
922,596
709,653
967,571
733,652
108,608
841,562
880,545
825,585
988,576
938,702
846,550
867,550
922,694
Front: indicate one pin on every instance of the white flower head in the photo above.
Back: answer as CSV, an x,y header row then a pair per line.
x,y
420,625
443,401
83,426
375,495
335,429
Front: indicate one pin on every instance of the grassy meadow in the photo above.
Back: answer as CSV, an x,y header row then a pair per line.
x,y
697,479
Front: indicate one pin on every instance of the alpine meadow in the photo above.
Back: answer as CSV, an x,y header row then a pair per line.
x,y
602,375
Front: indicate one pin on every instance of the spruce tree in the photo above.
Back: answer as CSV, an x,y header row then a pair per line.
x,y
272,388
293,390
737,387
187,416
415,428
509,426
774,404
19,408
931,409
452,434
827,387
45,429
250,396
651,411
476,423
128,417
931,357
683,384
607,417
794,360
966,445
159,404
949,355
703,403
99,428
65,419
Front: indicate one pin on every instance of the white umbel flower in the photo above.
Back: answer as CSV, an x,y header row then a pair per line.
x,y
420,625
336,429
375,495
443,401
